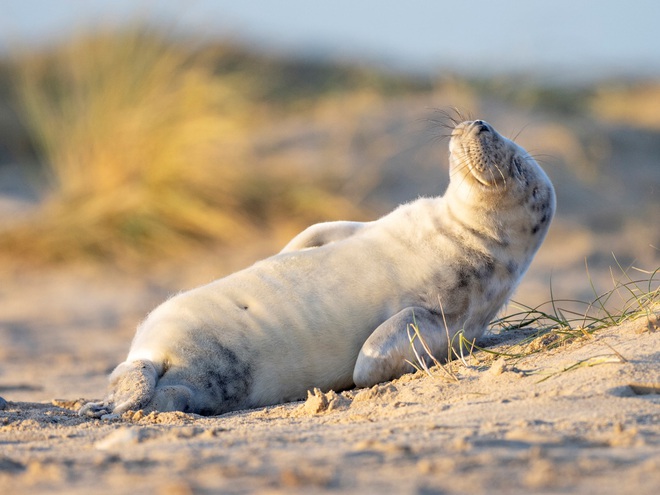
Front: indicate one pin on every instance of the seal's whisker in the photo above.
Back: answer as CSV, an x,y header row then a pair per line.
x,y
438,138
501,173
544,158
448,118
471,190
464,171
462,167
462,180
519,132
441,124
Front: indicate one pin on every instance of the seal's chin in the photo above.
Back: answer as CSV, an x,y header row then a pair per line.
x,y
472,146
472,164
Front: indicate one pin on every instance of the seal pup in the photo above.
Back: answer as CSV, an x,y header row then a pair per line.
x,y
332,309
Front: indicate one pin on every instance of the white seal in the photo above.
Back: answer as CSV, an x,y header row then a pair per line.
x,y
333,308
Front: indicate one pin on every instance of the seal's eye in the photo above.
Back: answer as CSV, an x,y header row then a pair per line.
x,y
517,167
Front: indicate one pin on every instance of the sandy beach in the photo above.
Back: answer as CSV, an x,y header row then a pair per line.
x,y
581,417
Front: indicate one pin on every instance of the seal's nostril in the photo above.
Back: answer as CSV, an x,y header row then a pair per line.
x,y
481,126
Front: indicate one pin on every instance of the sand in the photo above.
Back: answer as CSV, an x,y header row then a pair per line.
x,y
583,417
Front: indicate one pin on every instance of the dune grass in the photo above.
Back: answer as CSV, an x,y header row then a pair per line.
x,y
562,321
146,143
552,325
635,104
128,126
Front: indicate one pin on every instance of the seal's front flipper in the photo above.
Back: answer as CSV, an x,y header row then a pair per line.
x,y
321,234
132,386
385,354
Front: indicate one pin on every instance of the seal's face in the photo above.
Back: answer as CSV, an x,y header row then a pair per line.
x,y
498,183
482,160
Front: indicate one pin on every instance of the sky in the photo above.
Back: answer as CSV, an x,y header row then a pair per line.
x,y
559,40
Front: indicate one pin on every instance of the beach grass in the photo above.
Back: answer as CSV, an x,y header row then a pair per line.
x,y
146,143
552,325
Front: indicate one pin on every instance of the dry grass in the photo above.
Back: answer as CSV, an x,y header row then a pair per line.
x,y
551,326
637,105
147,148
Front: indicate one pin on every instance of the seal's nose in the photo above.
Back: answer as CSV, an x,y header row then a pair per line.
x,y
481,126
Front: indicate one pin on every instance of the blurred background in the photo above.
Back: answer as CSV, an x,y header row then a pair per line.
x,y
147,147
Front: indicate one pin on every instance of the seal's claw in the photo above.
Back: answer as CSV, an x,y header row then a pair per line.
x,y
95,409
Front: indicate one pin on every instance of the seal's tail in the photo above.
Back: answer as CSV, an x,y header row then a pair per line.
x,y
132,386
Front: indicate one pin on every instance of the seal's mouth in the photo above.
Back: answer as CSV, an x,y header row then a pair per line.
x,y
475,147
480,177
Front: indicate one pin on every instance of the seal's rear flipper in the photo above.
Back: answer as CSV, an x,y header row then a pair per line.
x,y
172,398
321,234
132,386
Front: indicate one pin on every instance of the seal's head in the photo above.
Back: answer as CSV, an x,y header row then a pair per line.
x,y
499,181
483,162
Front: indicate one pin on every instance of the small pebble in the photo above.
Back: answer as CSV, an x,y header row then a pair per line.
x,y
3,403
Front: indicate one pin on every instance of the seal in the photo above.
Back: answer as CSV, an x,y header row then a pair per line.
x,y
333,309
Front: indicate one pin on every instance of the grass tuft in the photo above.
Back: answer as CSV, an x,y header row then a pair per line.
x,y
147,147
555,324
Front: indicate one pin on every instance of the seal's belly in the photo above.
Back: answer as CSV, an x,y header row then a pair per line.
x,y
299,318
